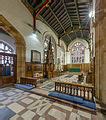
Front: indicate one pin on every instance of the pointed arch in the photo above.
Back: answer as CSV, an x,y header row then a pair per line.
x,y
81,54
20,45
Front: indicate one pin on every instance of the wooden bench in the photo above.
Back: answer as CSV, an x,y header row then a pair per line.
x,y
28,80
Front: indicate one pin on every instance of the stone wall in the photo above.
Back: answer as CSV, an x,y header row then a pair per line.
x,y
100,50
20,45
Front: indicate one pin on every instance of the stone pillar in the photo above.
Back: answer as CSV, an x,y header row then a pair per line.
x,y
20,46
21,52
100,51
87,55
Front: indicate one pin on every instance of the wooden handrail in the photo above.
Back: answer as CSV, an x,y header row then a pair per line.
x,y
76,84
84,91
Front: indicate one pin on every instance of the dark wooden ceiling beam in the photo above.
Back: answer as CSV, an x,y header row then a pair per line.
x,y
44,21
57,7
73,31
77,11
62,15
67,14
56,17
58,21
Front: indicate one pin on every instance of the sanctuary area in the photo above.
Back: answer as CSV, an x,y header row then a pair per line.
x,y
52,60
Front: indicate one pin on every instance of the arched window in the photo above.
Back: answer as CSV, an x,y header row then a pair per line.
x,y
78,53
5,48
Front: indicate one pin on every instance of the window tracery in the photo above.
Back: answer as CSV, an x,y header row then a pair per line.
x,y
5,48
78,53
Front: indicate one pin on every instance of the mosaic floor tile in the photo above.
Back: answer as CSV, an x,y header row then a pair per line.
x,y
6,113
27,101
57,114
41,118
15,117
1,93
63,107
74,116
26,93
41,106
29,106
2,106
11,93
35,96
7,101
2,98
17,90
82,113
16,107
28,115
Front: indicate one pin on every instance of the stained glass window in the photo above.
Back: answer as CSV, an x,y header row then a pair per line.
x,y
77,53
6,60
5,48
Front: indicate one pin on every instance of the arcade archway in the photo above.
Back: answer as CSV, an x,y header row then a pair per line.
x,y
20,45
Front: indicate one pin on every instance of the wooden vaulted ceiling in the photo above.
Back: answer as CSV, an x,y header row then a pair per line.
x,y
69,19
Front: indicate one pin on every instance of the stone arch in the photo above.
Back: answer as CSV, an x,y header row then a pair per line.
x,y
84,42
63,44
20,45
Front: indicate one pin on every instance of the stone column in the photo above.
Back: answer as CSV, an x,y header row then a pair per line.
x,y
100,51
21,53
87,55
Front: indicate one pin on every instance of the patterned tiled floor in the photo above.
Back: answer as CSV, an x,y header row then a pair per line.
x,y
49,84
27,106
67,78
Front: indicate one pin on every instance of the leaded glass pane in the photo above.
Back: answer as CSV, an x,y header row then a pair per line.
x,y
5,48
77,53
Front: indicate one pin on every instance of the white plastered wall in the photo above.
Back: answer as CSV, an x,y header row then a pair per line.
x,y
18,15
